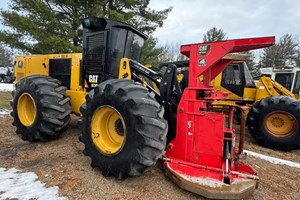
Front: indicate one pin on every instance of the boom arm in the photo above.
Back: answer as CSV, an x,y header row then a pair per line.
x,y
209,58
268,87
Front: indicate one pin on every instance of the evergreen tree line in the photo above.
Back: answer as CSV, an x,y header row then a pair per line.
x,y
50,26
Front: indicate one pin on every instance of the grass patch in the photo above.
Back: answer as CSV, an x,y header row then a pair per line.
x,y
5,98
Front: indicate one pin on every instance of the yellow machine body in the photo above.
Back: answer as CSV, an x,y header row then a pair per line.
x,y
41,65
265,87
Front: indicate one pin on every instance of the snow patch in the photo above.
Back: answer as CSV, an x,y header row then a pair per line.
x,y
4,112
204,181
207,181
15,184
273,159
6,87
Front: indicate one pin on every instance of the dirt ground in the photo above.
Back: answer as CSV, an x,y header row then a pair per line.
x,y
61,163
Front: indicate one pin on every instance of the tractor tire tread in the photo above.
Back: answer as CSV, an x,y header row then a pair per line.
x,y
147,119
260,110
52,107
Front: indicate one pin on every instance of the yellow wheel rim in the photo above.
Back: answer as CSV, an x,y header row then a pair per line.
x,y
281,124
26,109
108,130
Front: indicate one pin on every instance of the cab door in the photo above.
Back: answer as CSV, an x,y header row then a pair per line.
x,y
285,79
233,80
296,88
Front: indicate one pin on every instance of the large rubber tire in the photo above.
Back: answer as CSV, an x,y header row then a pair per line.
x,y
48,111
274,122
144,128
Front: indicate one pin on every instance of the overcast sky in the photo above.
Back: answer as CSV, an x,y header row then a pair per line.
x,y
190,19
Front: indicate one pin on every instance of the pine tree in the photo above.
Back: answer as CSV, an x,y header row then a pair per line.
x,y
151,53
5,57
282,54
214,34
50,26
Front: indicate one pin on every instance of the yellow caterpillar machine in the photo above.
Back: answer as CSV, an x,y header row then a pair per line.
x,y
128,110
274,116
289,77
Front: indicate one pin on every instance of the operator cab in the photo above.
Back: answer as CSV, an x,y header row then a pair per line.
x,y
236,77
288,77
105,42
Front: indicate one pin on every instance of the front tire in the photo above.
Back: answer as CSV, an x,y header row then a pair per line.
x,y
123,129
41,109
274,122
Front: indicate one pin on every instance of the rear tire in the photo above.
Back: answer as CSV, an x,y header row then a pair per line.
x,y
41,109
274,122
140,120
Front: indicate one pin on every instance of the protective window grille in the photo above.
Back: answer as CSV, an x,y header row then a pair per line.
x,y
95,52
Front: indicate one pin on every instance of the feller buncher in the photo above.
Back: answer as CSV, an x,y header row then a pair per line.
x,y
273,110
126,109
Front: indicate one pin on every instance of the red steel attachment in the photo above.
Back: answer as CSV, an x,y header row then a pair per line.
x,y
203,158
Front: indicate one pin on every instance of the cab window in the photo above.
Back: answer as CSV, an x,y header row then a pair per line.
x,y
285,80
297,84
231,76
117,49
134,46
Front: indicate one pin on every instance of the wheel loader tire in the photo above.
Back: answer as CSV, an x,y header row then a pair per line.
x,y
274,122
41,109
123,129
